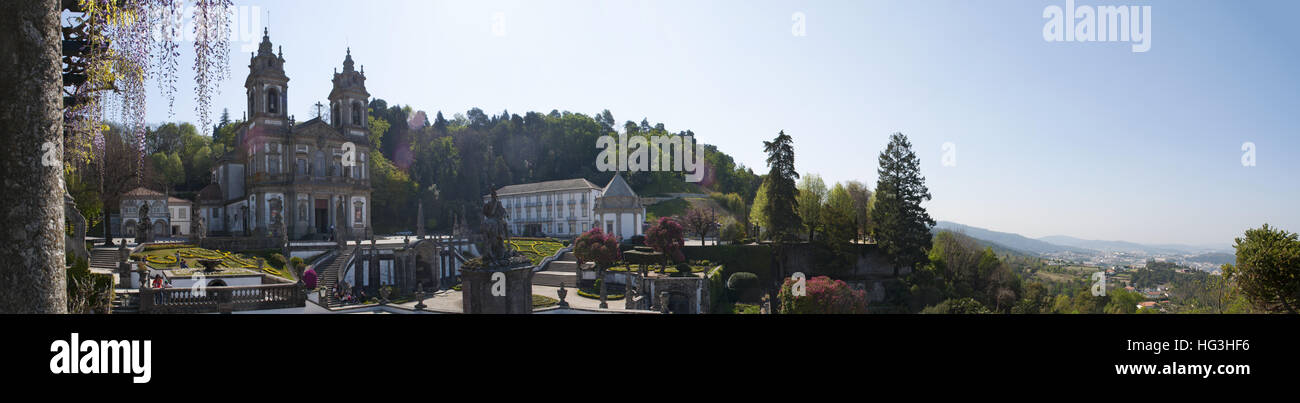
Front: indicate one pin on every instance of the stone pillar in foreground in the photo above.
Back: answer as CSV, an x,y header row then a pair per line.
x,y
497,290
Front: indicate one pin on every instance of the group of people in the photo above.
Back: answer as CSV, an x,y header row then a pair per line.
x,y
158,281
345,294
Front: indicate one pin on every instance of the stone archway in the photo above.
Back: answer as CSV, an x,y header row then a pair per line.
x,y
427,267
679,303
128,228
160,229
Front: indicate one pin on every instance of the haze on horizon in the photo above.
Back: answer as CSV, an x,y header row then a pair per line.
x,y
1089,140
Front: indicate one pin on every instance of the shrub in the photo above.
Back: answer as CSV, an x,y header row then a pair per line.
x,y
822,295
744,286
717,289
734,232
958,306
276,260
297,261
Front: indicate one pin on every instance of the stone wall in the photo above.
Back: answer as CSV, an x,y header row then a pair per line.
x,y
694,289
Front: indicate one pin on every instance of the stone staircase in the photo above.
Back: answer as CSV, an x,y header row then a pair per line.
x,y
104,258
563,270
126,303
330,276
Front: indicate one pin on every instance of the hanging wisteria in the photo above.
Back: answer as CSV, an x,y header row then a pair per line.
x,y
115,46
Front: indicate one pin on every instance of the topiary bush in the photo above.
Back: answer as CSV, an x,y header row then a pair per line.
x,y
276,260
744,286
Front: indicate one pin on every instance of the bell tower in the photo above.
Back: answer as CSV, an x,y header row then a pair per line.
x,y
349,100
267,86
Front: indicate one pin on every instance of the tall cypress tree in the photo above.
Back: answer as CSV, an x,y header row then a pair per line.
x,y
782,208
902,226
782,204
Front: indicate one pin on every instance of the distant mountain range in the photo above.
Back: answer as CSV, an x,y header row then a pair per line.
x,y
1008,240
1061,243
1123,246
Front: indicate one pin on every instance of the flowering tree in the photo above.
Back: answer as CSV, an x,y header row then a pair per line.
x,y
309,278
701,221
600,248
57,80
822,295
666,238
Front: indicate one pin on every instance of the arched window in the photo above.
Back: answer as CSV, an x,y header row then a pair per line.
x,y
356,113
250,102
273,101
335,117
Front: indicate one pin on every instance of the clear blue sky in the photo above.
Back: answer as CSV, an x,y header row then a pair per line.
x,y
1084,139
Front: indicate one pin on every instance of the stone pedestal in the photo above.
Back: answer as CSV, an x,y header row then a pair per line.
x,y
477,285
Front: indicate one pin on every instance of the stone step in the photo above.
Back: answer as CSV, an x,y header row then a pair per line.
x,y
555,278
562,266
568,256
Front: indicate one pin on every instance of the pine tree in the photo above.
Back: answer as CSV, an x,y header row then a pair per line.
x,y
782,204
902,226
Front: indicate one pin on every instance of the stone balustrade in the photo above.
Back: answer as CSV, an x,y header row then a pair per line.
x,y
222,298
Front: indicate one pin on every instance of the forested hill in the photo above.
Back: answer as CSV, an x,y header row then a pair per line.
x,y
451,163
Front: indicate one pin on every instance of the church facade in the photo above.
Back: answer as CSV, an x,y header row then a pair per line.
x,y
308,178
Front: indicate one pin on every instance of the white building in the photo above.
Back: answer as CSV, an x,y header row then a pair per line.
x,y
567,208
179,211
560,208
129,210
619,209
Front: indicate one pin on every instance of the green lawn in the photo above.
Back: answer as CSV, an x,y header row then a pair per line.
x,y
542,301
667,208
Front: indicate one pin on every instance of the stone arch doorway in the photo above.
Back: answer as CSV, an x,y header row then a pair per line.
x,y
222,296
160,229
679,303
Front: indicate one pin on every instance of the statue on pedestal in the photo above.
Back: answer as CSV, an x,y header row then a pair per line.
x,y
200,228
340,224
143,229
75,244
495,230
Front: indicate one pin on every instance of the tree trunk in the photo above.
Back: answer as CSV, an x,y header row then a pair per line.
x,y
32,279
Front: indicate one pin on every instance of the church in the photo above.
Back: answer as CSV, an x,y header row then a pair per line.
x,y
309,178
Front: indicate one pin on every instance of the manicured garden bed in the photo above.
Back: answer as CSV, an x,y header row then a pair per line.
x,y
536,249
169,257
